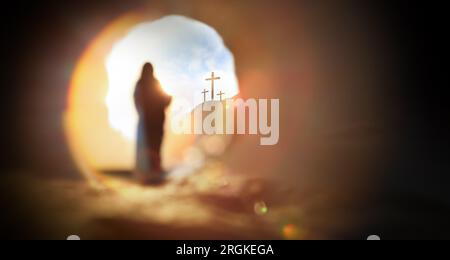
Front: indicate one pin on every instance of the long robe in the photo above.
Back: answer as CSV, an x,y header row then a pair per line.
x,y
150,103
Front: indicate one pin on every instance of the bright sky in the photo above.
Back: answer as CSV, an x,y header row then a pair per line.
x,y
183,51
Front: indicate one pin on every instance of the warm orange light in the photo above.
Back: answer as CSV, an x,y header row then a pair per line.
x,y
93,143
100,121
290,231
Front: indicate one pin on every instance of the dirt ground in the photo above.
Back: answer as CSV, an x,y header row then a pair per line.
x,y
210,204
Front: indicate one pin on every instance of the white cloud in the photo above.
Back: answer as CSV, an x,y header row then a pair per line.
x,y
183,51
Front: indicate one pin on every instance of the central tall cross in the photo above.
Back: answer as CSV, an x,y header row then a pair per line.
x,y
212,84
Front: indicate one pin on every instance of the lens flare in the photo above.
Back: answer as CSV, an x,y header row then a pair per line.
x,y
261,208
290,232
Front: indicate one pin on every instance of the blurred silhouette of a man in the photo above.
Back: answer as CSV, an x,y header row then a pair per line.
x,y
151,103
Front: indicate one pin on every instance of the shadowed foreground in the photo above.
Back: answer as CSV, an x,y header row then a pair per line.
x,y
211,204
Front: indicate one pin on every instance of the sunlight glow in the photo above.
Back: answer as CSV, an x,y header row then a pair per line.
x,y
183,51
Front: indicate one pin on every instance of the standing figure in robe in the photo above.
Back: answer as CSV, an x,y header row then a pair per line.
x,y
151,103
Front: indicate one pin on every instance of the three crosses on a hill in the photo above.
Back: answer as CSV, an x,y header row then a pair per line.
x,y
212,79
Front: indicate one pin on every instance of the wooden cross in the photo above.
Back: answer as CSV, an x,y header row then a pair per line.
x,y
204,95
212,84
220,94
